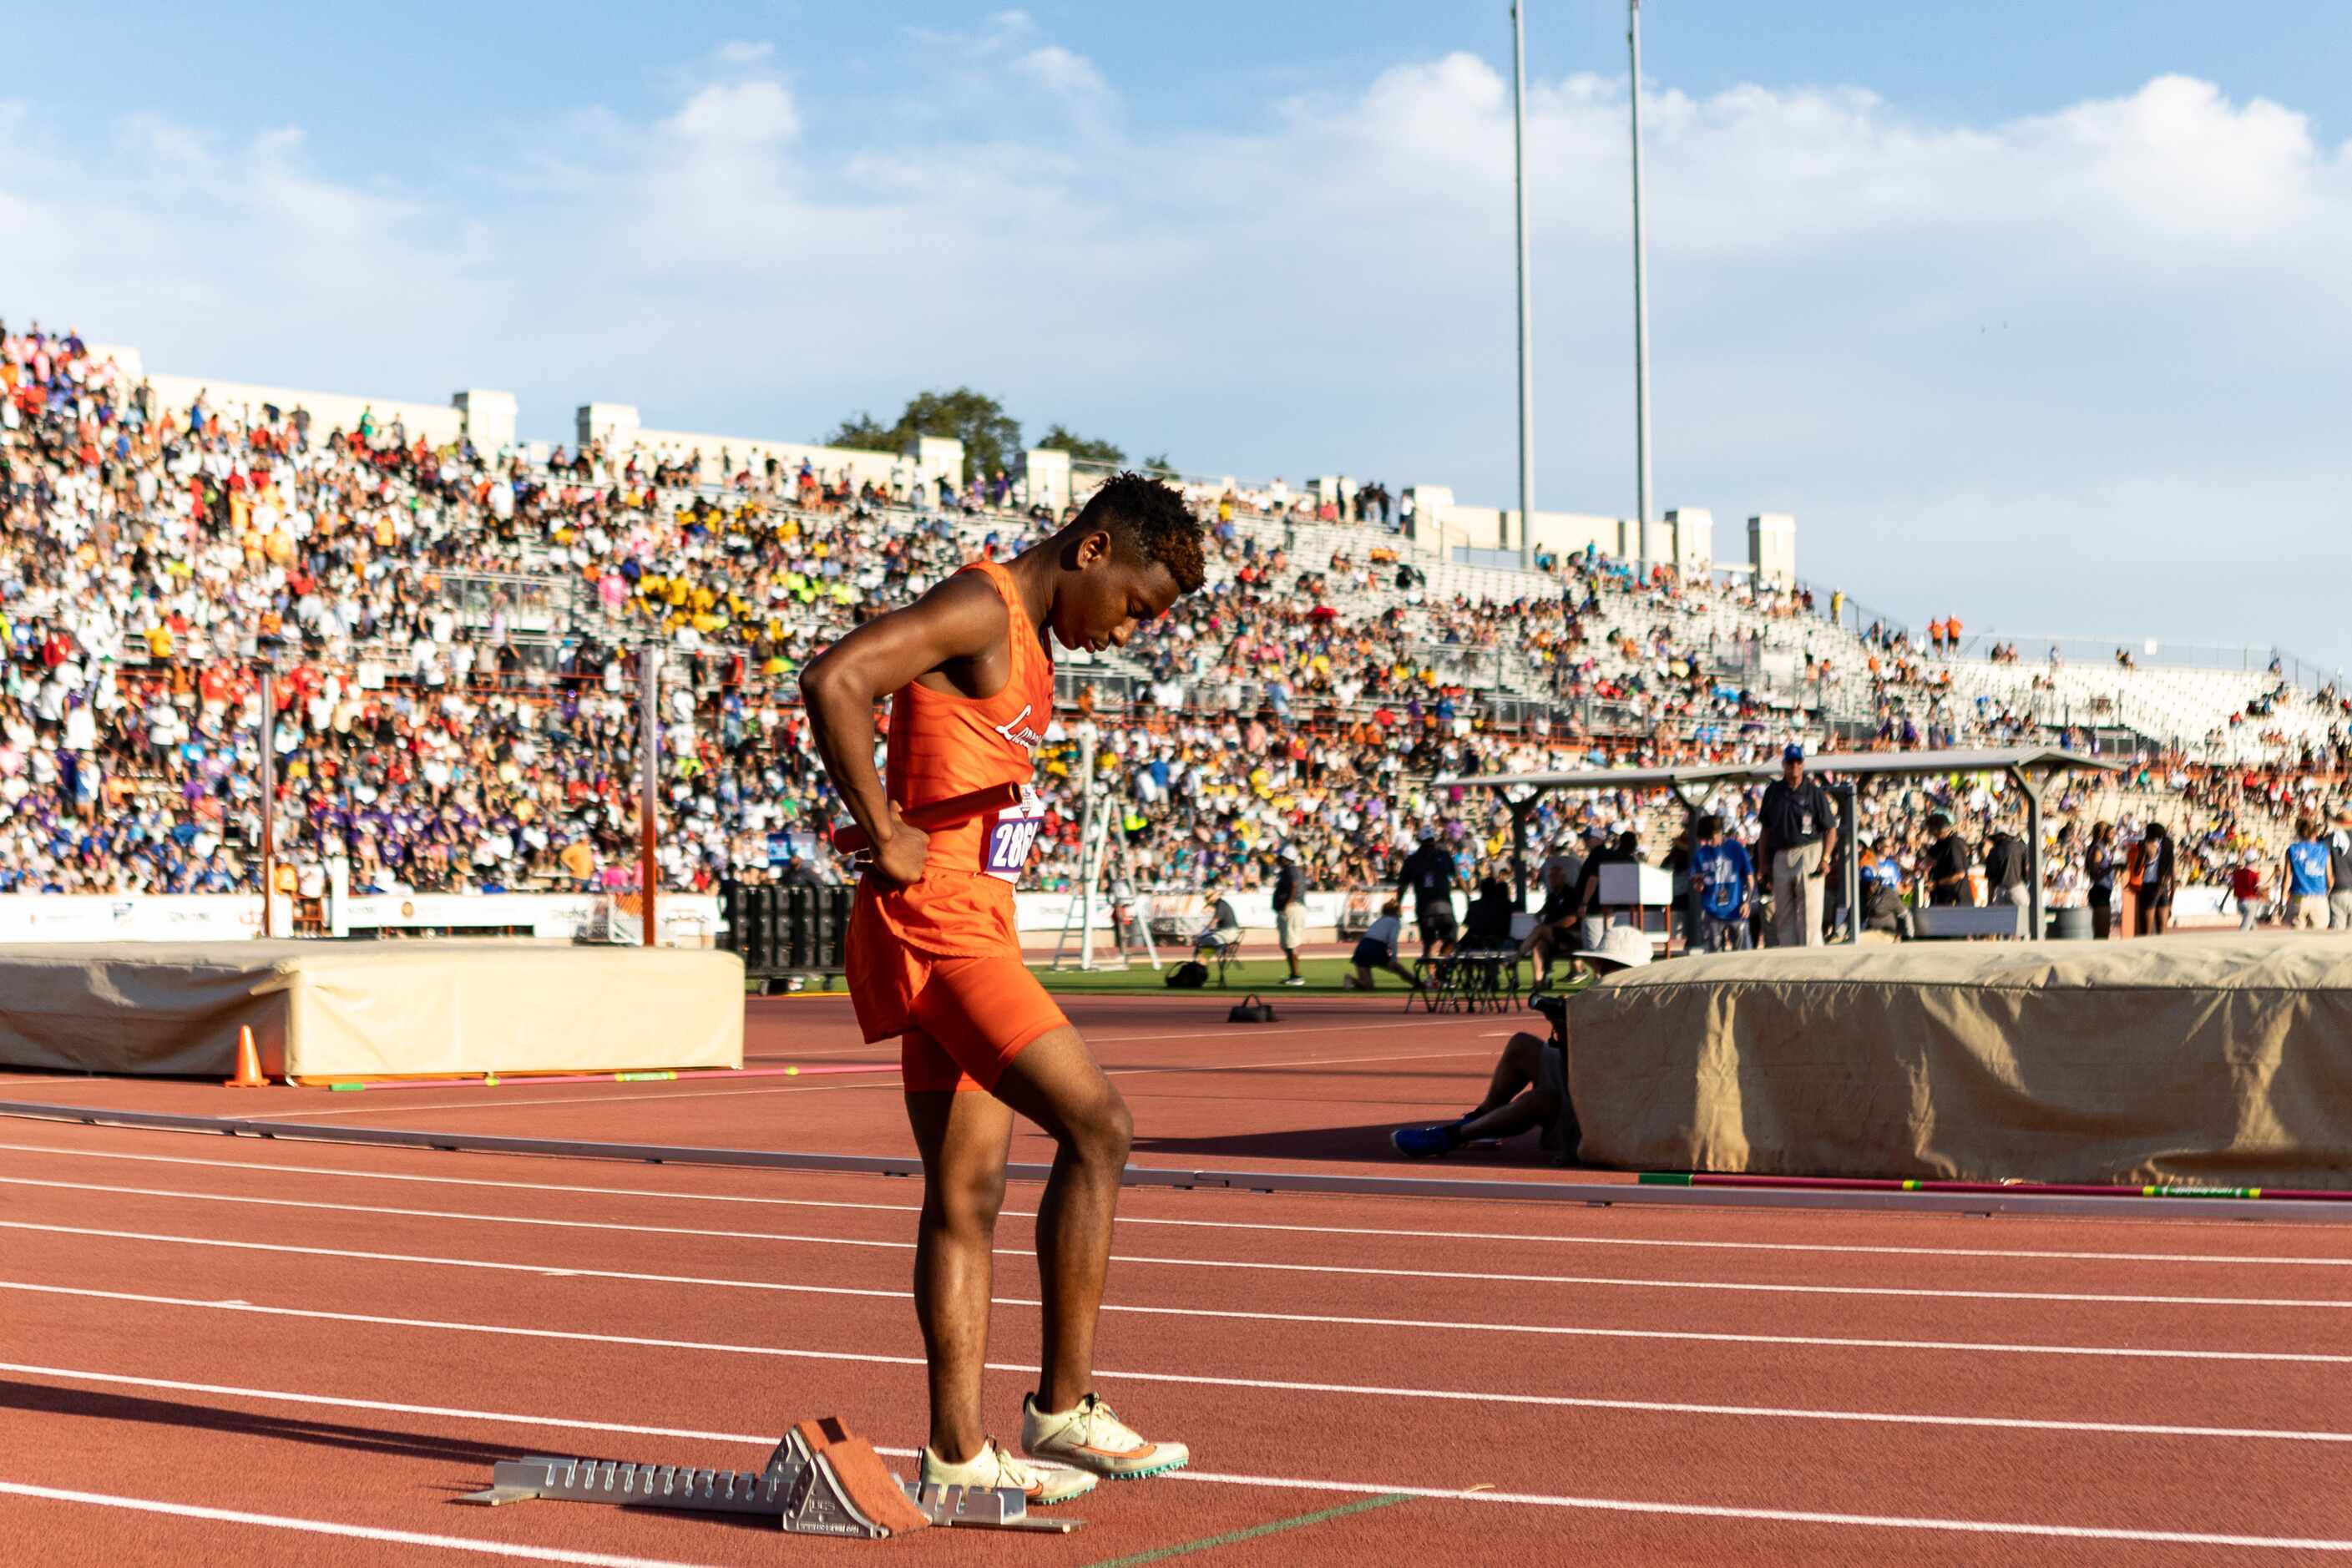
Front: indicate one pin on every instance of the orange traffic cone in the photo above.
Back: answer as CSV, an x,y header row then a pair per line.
x,y
248,1063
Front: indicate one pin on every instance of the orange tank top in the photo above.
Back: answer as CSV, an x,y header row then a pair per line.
x,y
940,745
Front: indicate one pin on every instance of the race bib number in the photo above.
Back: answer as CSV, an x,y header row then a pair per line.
x,y
1011,835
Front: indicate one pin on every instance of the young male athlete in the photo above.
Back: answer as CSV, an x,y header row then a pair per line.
x,y
933,959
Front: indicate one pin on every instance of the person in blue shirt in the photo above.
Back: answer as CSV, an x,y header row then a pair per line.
x,y
1726,879
2309,877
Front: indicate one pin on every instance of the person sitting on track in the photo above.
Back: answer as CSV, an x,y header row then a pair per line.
x,y
1376,949
1529,1090
934,958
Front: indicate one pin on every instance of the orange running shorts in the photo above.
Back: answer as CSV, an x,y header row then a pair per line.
x,y
970,1018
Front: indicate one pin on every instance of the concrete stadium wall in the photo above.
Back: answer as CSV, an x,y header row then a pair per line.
x,y
1683,537
1691,535
329,411
620,428
1772,549
487,416
1045,476
1497,528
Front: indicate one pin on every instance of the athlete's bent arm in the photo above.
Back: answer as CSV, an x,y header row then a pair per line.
x,y
957,628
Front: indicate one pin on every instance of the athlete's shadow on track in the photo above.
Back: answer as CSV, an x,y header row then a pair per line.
x,y
45,1399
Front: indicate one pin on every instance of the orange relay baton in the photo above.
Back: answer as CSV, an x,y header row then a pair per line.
x,y
850,839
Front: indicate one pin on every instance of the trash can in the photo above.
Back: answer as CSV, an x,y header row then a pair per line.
x,y
2070,924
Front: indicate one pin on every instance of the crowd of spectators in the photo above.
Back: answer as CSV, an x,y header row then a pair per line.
x,y
457,699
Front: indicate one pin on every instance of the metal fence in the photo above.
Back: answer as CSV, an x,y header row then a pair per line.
x,y
1841,609
2154,653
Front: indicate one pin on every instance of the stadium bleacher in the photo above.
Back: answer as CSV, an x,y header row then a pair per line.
x,y
453,627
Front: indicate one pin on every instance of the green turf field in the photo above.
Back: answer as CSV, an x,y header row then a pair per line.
x,y
1264,976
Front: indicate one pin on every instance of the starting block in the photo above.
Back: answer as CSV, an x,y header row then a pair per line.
x,y
821,1480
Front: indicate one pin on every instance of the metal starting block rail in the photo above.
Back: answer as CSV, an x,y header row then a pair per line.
x,y
809,1489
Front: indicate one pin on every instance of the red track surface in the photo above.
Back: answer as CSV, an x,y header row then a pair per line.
x,y
369,1328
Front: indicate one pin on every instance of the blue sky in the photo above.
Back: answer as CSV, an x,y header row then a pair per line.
x,y
2032,312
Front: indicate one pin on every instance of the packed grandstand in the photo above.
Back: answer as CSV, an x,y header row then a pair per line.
x,y
452,633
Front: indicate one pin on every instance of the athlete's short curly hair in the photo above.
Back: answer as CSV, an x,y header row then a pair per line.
x,y
1148,521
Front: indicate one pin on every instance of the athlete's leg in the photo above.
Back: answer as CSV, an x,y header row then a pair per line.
x,y
1538,1107
962,1139
1517,1068
1055,1083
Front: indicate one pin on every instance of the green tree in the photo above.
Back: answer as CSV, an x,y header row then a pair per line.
x,y
990,437
1159,466
861,432
1080,449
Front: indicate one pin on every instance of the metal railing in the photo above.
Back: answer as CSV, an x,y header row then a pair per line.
x,y
2153,653
1849,611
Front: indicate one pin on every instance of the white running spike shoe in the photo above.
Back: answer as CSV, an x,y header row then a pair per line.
x,y
1043,1484
1090,1437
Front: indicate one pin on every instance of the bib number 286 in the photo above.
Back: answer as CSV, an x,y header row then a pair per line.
x,y
1009,844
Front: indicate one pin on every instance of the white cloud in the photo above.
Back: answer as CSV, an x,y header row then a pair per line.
x,y
742,114
2076,335
1056,69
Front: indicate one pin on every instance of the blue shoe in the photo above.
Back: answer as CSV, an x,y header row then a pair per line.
x,y
1421,1142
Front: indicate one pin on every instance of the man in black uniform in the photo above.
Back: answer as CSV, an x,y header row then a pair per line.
x,y
1947,866
1800,833
1428,877
2007,868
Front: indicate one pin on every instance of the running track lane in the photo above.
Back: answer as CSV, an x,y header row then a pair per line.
x,y
546,1365
1321,1089
1697,1230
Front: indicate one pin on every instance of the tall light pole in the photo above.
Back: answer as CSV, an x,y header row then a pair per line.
x,y
649,786
268,796
1641,295
1527,356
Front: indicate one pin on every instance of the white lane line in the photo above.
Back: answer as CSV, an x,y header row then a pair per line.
x,y
1635,1406
657,1094
1857,1249
2124,1352
1589,1281
1802,1516
346,1531
720,1282
1211,1478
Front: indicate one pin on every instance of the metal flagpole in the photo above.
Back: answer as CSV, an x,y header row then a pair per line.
x,y
1527,356
649,728
1641,293
268,801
